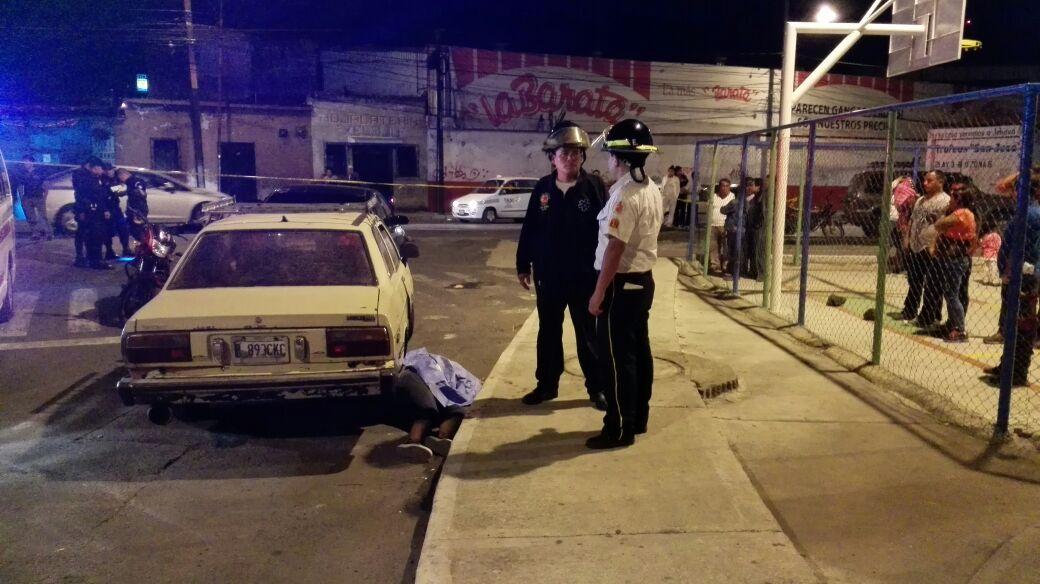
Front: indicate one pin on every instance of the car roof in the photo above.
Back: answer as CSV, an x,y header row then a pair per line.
x,y
347,221
66,175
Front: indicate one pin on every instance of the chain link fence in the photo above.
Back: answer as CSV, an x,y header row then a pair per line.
x,y
907,239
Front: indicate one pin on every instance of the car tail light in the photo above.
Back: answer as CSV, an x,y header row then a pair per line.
x,y
369,341
157,348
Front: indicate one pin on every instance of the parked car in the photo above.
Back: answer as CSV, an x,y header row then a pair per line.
x,y
505,197
7,261
862,205
274,307
307,198
170,201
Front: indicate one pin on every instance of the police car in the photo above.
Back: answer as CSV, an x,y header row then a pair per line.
x,y
273,307
7,265
500,197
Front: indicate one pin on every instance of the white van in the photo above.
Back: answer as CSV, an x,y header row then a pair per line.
x,y
505,197
7,266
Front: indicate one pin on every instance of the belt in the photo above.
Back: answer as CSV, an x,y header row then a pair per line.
x,y
633,276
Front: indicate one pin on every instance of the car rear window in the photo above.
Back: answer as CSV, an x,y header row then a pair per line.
x,y
489,187
320,196
290,257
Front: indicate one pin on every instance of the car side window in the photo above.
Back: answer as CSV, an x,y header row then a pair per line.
x,y
391,247
528,185
384,250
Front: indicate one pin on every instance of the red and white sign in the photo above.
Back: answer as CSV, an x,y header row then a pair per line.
x,y
523,91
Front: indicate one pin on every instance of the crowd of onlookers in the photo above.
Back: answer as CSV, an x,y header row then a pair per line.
x,y
937,234
724,219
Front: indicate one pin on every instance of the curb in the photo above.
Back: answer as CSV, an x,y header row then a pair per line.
x,y
434,566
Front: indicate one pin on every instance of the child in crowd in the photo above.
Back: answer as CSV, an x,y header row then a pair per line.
x,y
990,248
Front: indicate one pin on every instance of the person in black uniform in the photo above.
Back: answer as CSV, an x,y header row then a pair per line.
x,y
558,240
755,220
136,192
625,256
116,221
88,194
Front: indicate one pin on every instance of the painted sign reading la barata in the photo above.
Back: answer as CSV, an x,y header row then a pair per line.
x,y
521,91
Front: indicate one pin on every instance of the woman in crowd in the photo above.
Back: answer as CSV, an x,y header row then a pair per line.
x,y
957,235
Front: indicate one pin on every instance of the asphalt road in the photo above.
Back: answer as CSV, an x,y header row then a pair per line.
x,y
93,492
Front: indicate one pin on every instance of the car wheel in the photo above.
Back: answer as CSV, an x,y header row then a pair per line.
x,y
195,221
65,221
7,308
490,215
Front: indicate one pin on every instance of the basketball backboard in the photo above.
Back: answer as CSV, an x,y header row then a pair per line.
x,y
942,42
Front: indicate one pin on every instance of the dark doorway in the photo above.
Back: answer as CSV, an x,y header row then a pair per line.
x,y
238,158
336,159
375,163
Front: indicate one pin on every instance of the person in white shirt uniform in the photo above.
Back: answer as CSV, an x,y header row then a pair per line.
x,y
628,228
669,196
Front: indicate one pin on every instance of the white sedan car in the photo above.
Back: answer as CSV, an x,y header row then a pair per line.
x,y
274,307
505,197
170,201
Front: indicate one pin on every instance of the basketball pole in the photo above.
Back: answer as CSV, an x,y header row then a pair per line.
x,y
790,96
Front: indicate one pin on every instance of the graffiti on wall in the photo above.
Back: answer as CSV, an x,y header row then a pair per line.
x,y
458,172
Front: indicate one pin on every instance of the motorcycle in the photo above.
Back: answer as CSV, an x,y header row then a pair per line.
x,y
147,271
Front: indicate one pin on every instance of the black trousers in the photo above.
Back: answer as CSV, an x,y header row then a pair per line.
x,y
551,302
80,239
624,344
925,288
93,237
750,267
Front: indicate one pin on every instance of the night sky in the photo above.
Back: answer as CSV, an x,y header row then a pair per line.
x,y
87,52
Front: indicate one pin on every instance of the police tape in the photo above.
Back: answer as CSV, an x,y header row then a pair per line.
x,y
298,180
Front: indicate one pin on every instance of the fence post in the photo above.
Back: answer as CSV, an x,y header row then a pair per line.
x,y
741,206
916,167
691,214
767,248
706,262
806,210
796,258
884,232
1018,244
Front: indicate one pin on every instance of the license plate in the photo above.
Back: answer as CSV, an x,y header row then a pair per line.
x,y
261,350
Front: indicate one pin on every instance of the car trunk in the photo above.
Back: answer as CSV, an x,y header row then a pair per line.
x,y
259,308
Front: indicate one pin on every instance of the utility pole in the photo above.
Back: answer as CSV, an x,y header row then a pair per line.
x,y
439,61
196,115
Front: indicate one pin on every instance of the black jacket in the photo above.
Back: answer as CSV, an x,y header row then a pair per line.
x,y
136,196
560,231
31,182
88,192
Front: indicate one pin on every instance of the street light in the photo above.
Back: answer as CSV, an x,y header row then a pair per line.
x,y
826,14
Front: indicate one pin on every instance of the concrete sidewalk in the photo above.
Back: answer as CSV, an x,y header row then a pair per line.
x,y
522,500
807,473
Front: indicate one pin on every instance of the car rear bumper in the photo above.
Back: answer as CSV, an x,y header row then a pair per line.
x,y
239,390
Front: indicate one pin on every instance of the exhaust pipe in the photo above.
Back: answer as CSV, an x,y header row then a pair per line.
x,y
160,414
